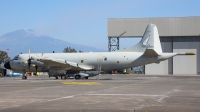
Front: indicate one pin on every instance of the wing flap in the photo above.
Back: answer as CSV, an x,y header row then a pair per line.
x,y
72,63
85,67
53,62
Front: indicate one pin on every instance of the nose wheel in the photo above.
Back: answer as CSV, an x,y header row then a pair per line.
x,y
24,77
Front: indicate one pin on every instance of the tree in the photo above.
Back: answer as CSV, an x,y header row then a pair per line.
x,y
80,51
4,57
69,50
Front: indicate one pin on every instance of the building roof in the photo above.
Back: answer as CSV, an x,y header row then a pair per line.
x,y
135,27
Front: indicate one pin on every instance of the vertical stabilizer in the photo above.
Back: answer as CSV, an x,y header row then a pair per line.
x,y
150,40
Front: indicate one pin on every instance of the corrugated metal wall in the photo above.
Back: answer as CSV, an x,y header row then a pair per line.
x,y
184,64
180,26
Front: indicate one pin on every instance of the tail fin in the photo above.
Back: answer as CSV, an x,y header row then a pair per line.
x,y
150,40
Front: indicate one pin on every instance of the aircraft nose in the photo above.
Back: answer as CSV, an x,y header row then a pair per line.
x,y
7,65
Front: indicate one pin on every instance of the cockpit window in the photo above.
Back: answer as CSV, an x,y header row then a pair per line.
x,y
16,57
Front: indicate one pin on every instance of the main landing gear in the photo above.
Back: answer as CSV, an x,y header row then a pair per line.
x,y
64,76
77,77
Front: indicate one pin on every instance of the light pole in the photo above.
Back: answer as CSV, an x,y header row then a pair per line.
x,y
10,71
8,52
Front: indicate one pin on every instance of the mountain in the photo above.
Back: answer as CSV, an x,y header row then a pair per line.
x,y
21,40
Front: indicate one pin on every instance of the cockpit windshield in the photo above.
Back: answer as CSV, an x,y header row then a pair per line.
x,y
16,57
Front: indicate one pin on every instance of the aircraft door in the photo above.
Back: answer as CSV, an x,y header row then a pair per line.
x,y
99,63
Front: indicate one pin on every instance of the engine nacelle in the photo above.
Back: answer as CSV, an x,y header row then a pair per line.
x,y
37,63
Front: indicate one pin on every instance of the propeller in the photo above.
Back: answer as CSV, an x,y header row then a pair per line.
x,y
36,68
29,64
32,60
29,61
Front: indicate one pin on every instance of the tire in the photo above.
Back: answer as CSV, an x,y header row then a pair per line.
x,y
64,77
56,77
86,77
77,76
24,77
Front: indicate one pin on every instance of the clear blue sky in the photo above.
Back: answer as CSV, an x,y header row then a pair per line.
x,y
85,21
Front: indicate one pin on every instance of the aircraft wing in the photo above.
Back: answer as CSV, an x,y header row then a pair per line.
x,y
51,62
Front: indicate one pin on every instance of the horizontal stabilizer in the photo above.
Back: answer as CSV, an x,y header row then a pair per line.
x,y
150,53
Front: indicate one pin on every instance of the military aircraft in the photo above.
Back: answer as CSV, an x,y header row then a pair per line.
x,y
147,51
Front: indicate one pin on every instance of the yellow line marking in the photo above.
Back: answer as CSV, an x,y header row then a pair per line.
x,y
80,83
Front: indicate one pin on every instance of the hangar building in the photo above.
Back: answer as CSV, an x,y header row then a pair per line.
x,y
177,34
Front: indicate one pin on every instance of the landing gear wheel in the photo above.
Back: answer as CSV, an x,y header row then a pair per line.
x,y
56,77
64,77
77,76
86,77
24,77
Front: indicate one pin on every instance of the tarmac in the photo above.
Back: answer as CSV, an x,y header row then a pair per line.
x,y
109,93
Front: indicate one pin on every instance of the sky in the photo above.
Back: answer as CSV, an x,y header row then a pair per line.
x,y
85,21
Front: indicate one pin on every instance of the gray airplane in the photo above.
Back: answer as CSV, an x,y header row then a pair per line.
x,y
147,51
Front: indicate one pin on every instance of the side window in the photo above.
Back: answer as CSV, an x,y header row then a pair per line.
x,y
81,61
105,59
16,57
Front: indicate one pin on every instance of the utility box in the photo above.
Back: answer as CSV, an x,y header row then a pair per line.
x,y
9,73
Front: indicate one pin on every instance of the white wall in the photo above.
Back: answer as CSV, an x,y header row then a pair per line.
x,y
185,64
157,69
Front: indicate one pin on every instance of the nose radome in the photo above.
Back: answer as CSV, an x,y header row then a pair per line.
x,y
7,65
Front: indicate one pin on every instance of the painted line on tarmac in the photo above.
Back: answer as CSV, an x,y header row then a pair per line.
x,y
167,95
29,89
86,93
124,95
80,83
62,98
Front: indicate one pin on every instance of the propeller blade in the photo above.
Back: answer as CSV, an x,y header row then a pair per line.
x,y
36,68
29,60
29,64
29,52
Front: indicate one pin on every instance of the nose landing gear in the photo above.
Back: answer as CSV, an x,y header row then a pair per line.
x,y
24,77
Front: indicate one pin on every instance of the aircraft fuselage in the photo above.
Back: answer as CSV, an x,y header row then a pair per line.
x,y
107,60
